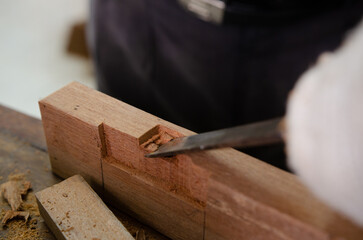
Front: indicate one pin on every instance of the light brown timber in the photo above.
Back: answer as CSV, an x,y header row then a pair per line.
x,y
72,210
215,194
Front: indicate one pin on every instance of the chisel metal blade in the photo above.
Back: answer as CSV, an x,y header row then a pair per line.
x,y
250,135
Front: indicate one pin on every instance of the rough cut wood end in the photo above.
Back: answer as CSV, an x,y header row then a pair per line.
x,y
72,210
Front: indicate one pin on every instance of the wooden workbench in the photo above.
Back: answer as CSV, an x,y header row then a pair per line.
x,y
23,151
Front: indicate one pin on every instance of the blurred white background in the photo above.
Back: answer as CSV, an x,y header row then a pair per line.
x,y
33,57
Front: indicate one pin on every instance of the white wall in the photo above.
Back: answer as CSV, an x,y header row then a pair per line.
x,y
33,57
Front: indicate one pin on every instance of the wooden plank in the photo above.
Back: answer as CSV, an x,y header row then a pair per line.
x,y
27,128
216,194
72,210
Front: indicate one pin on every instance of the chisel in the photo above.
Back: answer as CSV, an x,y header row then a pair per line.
x,y
250,135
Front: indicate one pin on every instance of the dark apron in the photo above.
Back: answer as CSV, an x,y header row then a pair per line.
x,y
157,56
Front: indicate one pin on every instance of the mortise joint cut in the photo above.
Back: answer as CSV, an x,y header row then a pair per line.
x,y
178,175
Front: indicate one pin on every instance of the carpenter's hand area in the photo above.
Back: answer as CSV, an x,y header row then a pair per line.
x,y
324,127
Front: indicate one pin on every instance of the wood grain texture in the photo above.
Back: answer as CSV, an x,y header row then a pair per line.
x,y
215,194
26,128
72,210
23,150
18,156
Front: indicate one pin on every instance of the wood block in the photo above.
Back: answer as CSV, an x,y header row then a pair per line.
x,y
75,145
215,194
153,206
72,210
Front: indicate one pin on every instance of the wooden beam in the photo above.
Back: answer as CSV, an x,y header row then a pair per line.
x,y
216,194
72,210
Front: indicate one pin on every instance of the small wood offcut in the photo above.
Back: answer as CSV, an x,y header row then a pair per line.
x,y
215,194
72,210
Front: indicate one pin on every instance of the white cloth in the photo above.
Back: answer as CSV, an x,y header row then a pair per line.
x,y
324,127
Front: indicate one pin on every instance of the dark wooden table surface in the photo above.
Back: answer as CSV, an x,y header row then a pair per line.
x,y
23,153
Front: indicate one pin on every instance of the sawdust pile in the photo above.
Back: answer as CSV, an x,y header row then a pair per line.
x,y
19,229
15,220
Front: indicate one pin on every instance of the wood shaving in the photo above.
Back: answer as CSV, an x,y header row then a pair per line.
x,y
10,214
156,141
12,191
